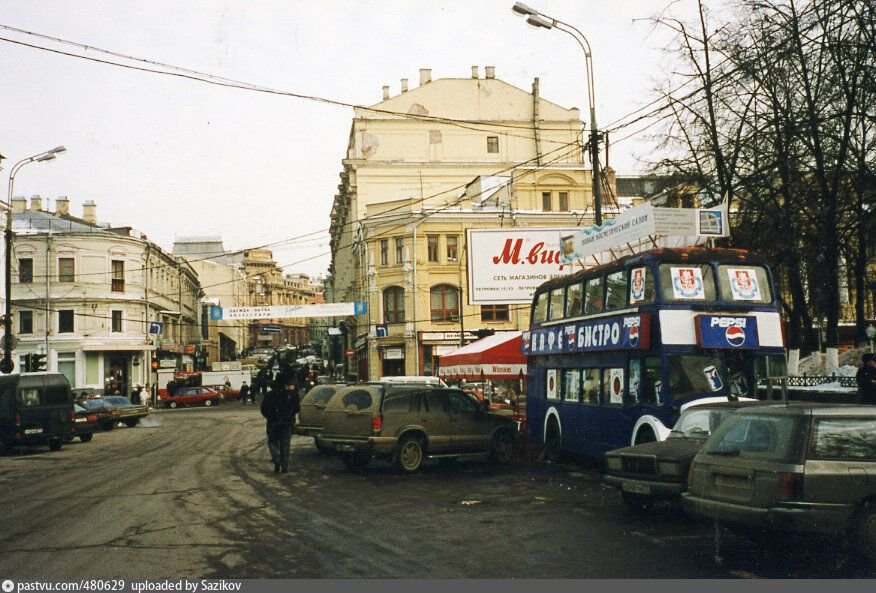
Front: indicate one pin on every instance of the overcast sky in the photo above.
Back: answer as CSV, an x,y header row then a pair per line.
x,y
173,157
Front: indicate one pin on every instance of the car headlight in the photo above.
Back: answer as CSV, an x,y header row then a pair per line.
x,y
668,468
613,463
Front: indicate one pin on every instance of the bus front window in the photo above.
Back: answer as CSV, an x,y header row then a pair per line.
x,y
693,375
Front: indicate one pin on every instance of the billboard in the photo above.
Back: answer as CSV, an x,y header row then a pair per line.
x,y
505,266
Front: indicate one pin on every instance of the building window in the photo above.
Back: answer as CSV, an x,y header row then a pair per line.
x,y
432,243
444,302
116,321
118,283
65,321
546,201
66,269
384,252
25,271
452,248
564,201
399,250
494,313
394,304
493,144
25,322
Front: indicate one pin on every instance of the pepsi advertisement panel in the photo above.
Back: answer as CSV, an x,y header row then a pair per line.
x,y
728,332
624,332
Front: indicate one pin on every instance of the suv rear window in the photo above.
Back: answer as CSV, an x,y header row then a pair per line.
x,y
357,399
321,395
845,438
758,436
398,402
29,397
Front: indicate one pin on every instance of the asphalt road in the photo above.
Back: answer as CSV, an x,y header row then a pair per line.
x,y
191,494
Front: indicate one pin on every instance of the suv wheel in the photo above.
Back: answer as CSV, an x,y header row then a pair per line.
x,y
502,447
867,534
356,461
55,445
410,454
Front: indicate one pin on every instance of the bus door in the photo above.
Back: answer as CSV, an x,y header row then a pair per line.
x,y
616,417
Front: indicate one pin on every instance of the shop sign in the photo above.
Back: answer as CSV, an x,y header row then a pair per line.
x,y
393,354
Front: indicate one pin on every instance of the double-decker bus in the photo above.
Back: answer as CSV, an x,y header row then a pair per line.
x,y
616,350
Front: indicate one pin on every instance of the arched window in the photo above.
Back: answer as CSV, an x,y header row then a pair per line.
x,y
444,302
394,304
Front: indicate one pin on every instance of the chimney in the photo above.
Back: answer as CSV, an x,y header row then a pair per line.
x,y
425,76
36,203
404,82
89,212
19,205
490,71
474,71
62,206
385,93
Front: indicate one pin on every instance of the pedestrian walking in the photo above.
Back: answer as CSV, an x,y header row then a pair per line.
x,y
279,408
244,393
866,378
144,396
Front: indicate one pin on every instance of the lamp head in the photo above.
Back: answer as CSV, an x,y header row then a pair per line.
x,y
539,22
45,157
522,9
870,331
58,150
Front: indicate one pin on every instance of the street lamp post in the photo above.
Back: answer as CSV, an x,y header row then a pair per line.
x,y
871,333
540,20
6,364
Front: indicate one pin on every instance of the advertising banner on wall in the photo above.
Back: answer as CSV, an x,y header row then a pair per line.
x,y
505,266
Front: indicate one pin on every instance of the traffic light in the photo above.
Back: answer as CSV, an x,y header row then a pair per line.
x,y
154,364
37,363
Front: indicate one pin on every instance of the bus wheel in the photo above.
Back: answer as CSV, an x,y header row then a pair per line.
x,y
553,442
646,435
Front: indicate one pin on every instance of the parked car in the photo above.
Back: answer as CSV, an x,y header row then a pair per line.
x,y
86,392
658,470
799,468
225,393
406,426
85,423
192,396
35,409
312,409
127,413
107,416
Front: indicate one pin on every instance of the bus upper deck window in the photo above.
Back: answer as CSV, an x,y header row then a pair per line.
x,y
557,304
541,306
595,293
615,290
575,300
687,282
641,286
744,283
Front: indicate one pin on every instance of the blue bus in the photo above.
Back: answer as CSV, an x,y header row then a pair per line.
x,y
616,350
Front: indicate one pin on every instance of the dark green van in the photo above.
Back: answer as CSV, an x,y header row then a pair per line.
x,y
35,409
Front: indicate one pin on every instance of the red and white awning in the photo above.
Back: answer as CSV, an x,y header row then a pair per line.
x,y
498,356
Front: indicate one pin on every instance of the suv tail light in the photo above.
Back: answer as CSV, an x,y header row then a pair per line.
x,y
376,423
790,486
18,420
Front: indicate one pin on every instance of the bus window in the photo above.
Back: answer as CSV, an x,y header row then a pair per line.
x,y
694,374
594,293
540,313
641,286
615,290
556,308
613,386
738,366
571,385
635,379
744,283
652,381
680,282
551,387
769,371
575,300
590,391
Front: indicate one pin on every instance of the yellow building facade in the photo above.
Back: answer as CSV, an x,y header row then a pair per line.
x,y
422,169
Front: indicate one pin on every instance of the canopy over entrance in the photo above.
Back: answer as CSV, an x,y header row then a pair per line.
x,y
495,357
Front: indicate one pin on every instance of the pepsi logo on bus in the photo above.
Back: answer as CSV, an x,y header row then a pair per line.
x,y
725,331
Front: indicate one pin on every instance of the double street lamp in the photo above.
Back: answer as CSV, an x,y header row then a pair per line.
x,y
6,364
540,20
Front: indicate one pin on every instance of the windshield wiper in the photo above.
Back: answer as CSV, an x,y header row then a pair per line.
x,y
726,452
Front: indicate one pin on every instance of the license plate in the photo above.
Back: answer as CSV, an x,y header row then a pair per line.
x,y
344,448
33,431
81,420
635,488
732,481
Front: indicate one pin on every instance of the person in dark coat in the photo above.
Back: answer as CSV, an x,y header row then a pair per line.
x,y
279,408
866,379
244,393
